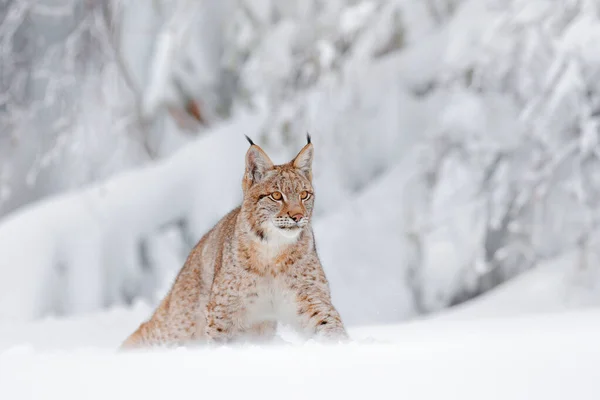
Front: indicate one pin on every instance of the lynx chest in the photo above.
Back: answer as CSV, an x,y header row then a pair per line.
x,y
272,301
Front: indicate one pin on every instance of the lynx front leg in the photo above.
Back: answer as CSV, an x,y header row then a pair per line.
x,y
226,311
316,314
221,328
219,322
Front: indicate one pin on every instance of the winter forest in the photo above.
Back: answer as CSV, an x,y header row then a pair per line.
x,y
456,172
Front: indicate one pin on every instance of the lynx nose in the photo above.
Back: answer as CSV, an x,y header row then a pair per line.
x,y
296,217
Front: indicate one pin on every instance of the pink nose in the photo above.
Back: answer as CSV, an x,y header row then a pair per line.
x,y
296,217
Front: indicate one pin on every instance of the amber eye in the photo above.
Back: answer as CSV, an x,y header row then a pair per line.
x,y
276,196
304,195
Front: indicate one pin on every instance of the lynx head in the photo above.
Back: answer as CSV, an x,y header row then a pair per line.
x,y
278,199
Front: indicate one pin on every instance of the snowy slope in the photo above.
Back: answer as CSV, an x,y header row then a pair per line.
x,y
543,357
554,286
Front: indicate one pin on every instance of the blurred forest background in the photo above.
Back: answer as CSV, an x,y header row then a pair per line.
x,y
456,144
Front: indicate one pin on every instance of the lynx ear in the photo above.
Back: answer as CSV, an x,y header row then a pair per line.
x,y
257,165
303,160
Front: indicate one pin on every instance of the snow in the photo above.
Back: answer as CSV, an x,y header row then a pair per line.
x,y
542,356
355,17
551,287
467,369
372,252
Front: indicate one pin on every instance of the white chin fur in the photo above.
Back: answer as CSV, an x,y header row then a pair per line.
x,y
289,233
285,235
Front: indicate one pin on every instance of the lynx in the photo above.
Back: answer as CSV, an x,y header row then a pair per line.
x,y
256,267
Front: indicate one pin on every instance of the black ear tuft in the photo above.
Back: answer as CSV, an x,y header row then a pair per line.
x,y
249,140
308,137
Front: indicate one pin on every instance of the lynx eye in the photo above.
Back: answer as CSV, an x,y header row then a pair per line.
x,y
304,195
276,196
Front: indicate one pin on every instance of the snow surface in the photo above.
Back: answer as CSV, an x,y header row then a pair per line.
x,y
536,357
559,366
526,347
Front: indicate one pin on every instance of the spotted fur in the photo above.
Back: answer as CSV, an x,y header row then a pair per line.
x,y
256,267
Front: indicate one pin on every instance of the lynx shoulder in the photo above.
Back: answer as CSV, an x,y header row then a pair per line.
x,y
256,267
